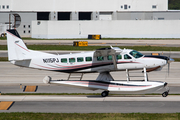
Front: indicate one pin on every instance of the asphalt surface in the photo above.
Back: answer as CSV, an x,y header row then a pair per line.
x,y
12,76
99,105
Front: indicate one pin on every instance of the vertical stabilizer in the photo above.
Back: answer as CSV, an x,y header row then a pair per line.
x,y
17,50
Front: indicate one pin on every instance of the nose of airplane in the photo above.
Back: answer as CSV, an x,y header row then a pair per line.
x,y
170,60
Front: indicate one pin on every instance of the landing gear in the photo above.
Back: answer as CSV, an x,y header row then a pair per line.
x,y
165,94
105,93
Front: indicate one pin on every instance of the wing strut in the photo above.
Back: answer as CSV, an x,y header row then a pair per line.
x,y
127,75
114,61
145,75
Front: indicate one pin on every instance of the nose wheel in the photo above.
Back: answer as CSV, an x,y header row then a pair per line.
x,y
165,94
105,93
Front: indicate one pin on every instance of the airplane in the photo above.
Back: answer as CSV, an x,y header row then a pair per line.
x,y
102,61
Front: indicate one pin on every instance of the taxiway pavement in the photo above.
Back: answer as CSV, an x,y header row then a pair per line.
x,y
93,104
14,75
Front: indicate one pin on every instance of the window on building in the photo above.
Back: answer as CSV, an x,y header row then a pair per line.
x,y
29,31
100,58
24,26
64,60
7,6
160,18
129,7
64,15
80,59
127,56
109,57
84,15
3,6
121,6
24,31
154,6
29,26
88,59
43,15
125,6
118,57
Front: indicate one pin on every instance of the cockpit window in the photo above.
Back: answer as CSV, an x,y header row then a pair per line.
x,y
126,56
136,54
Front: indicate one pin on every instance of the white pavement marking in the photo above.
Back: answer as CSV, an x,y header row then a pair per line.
x,y
85,98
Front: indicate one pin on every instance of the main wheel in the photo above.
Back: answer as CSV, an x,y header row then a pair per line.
x,y
165,94
104,93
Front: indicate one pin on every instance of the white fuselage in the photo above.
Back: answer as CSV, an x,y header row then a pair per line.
x,y
86,62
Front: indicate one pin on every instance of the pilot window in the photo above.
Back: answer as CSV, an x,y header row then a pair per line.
x,y
100,58
80,59
109,57
127,56
88,59
136,54
64,60
71,60
118,57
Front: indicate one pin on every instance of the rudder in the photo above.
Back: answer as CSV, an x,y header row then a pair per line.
x,y
17,50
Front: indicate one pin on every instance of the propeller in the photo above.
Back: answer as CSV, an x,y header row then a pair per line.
x,y
169,60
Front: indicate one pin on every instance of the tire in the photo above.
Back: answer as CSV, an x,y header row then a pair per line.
x,y
104,93
165,94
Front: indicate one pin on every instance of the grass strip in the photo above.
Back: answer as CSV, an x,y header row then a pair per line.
x,y
50,94
29,38
89,116
89,48
80,94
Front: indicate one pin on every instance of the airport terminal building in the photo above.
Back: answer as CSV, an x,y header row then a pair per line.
x,y
79,18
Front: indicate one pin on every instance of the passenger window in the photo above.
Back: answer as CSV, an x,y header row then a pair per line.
x,y
71,60
127,56
64,60
100,58
80,59
109,57
88,58
118,57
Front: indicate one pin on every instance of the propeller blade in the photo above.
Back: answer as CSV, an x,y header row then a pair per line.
x,y
168,68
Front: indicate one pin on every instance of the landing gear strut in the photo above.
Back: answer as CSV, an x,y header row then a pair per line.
x,y
105,93
165,94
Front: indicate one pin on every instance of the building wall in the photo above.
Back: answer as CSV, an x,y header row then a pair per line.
x,y
84,5
108,29
151,15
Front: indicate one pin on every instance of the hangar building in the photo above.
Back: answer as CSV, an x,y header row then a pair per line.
x,y
79,18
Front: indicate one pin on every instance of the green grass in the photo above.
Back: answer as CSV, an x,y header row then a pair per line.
x,y
50,93
28,38
88,48
82,94
89,116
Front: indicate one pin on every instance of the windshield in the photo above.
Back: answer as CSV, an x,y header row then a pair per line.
x,y
136,54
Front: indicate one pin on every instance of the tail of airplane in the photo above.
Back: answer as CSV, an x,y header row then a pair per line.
x,y
17,50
